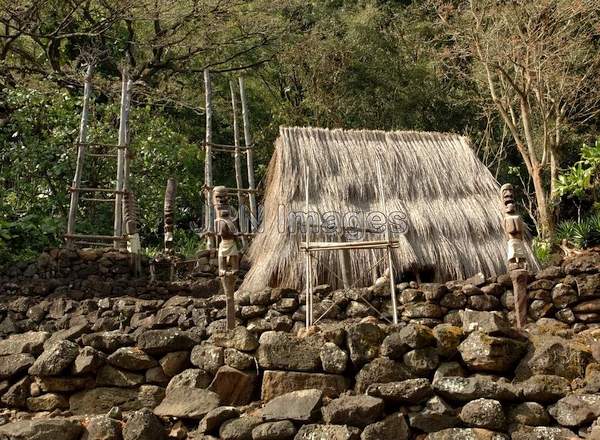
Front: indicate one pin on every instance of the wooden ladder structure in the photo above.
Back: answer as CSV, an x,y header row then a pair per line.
x,y
248,223
119,152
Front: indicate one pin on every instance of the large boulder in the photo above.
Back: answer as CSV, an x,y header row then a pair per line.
x,y
357,411
239,428
576,409
464,389
42,429
411,391
55,359
554,356
393,427
283,351
528,413
30,342
101,400
381,370
276,383
436,415
299,406
363,341
482,352
13,364
108,342
144,425
160,342
282,430
234,387
466,434
131,358
113,377
327,432
189,403
524,432
214,418
102,428
544,388
484,413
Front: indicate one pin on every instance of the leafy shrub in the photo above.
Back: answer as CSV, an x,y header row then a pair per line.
x,y
24,237
583,234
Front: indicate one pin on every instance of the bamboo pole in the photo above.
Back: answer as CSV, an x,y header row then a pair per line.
x,y
118,220
238,165
344,256
316,246
81,149
249,157
208,180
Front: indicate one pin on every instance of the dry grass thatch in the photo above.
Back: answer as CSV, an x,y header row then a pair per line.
x,y
451,201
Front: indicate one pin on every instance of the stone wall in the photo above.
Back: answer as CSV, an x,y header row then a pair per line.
x,y
121,364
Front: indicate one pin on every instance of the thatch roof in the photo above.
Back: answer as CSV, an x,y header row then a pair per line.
x,y
451,201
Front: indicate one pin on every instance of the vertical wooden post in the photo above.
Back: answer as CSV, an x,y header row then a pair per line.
x,y
126,151
308,260
238,166
81,149
388,236
121,151
208,180
249,157
344,256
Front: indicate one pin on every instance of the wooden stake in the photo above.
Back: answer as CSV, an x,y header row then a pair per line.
x,y
249,157
81,149
388,237
118,221
308,259
238,165
208,180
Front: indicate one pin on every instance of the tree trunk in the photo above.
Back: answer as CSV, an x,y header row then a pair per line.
x,y
545,219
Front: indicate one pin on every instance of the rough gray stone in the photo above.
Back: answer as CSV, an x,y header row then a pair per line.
x,y
208,357
283,351
42,429
113,377
544,388
214,418
482,352
144,425
131,358
299,406
393,427
464,389
13,364
333,358
55,359
466,434
282,430
327,432
190,403
100,400
381,370
411,391
239,429
190,378
160,342
576,409
88,361
436,416
358,411
102,428
524,432
484,413
422,361
528,413
363,341
29,342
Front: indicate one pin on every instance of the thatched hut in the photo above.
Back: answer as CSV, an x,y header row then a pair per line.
x,y
450,200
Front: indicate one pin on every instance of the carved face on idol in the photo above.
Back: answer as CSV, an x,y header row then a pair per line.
x,y
508,198
220,198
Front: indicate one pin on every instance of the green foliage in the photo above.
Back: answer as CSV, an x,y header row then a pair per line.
x,y
583,234
580,178
25,237
542,250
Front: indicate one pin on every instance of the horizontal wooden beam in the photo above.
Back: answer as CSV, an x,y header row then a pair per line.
x,y
340,245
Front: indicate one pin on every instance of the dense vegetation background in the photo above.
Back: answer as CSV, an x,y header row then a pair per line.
x,y
521,78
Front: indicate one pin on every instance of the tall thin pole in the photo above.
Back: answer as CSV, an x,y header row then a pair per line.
x,y
308,256
249,157
238,164
82,139
208,180
121,151
388,236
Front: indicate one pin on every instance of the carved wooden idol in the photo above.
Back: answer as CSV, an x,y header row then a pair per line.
x,y
228,253
516,254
